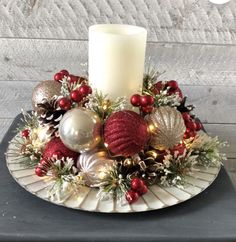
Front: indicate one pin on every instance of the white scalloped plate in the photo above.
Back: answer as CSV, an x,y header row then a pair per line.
x,y
157,197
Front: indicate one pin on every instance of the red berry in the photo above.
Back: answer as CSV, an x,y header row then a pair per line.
x,y
76,96
191,125
131,196
135,100
180,148
157,87
90,90
44,162
64,72
64,103
39,171
198,126
173,84
143,190
73,79
146,100
84,90
136,184
147,109
25,133
186,116
58,77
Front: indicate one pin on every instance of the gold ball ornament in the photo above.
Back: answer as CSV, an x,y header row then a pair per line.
x,y
80,129
166,127
45,90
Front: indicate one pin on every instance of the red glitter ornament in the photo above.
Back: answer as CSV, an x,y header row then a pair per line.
x,y
125,133
55,146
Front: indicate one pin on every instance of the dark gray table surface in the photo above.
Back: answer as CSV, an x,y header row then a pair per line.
x,y
210,216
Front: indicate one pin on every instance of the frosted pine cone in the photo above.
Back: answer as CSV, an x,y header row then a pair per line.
x,y
50,114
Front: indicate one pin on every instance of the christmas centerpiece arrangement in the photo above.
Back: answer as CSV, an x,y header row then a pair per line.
x,y
117,131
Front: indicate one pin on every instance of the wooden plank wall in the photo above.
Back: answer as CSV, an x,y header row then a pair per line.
x,y
193,41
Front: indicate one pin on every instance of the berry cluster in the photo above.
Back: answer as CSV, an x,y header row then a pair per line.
x,y
77,94
172,87
145,102
25,133
192,126
42,168
138,188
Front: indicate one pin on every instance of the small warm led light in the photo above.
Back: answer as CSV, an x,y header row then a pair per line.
x,y
104,107
151,127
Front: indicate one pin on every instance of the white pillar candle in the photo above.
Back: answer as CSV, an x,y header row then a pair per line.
x,y
116,59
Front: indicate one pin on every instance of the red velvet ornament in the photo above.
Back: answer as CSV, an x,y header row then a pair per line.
x,y
64,103
131,196
125,133
58,77
64,72
76,96
135,100
55,145
25,133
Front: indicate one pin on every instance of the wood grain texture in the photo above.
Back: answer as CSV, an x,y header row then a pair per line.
x,y
191,64
4,125
166,20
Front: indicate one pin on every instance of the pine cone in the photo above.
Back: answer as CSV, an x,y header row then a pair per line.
x,y
50,114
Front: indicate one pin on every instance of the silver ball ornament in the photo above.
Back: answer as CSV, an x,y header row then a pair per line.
x,y
45,90
94,166
80,129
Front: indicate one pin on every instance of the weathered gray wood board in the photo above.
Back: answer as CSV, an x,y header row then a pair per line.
x,y
172,21
214,104
191,64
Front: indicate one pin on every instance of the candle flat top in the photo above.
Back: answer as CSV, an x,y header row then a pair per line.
x,y
117,29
